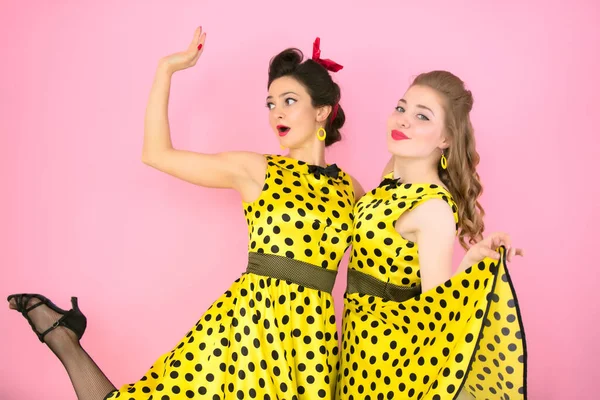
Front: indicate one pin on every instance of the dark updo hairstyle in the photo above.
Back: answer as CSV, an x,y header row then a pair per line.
x,y
318,83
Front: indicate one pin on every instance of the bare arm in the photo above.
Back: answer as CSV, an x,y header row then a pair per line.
x,y
434,229
433,226
242,171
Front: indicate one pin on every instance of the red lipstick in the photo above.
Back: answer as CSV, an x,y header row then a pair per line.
x,y
283,130
397,135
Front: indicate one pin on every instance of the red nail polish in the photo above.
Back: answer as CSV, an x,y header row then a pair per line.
x,y
200,47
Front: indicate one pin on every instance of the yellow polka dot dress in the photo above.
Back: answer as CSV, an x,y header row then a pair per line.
x,y
399,343
269,338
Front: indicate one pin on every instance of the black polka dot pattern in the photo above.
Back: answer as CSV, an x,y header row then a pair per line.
x,y
267,338
463,335
301,216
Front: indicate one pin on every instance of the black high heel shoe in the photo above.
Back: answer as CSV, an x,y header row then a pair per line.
x,y
72,319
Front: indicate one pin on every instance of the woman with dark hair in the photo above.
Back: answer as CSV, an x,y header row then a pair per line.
x,y
272,335
411,329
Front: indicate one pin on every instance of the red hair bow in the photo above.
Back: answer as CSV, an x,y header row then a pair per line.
x,y
328,64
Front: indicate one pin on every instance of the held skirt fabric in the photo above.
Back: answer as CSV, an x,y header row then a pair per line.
x,y
399,343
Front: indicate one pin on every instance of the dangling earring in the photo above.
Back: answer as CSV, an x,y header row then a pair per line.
x,y
282,147
321,136
444,161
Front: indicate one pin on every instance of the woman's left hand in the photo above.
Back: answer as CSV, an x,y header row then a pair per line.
x,y
488,247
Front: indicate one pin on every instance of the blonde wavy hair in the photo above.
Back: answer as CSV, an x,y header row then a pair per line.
x,y
460,177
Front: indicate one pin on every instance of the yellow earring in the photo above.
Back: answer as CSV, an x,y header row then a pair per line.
x,y
444,161
322,136
282,147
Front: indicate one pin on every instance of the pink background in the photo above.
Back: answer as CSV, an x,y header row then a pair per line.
x,y
147,254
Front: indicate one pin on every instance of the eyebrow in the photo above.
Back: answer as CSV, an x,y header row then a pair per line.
x,y
418,105
283,94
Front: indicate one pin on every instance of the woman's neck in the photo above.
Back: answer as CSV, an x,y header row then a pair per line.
x,y
415,170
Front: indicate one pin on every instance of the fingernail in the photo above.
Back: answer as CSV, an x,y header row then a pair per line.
x,y
200,46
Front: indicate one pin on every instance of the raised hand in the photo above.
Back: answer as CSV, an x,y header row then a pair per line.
x,y
188,58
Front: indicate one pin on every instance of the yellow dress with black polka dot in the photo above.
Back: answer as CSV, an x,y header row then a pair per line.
x,y
269,337
399,343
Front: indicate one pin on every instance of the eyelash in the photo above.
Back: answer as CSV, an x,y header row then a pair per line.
x,y
424,118
271,105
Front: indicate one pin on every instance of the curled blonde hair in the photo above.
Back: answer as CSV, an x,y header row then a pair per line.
x,y
460,177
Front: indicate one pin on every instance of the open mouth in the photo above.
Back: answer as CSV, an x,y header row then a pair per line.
x,y
283,130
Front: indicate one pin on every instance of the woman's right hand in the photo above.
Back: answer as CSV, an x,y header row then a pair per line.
x,y
188,58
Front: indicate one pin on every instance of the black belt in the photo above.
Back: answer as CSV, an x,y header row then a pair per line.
x,y
294,271
359,282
